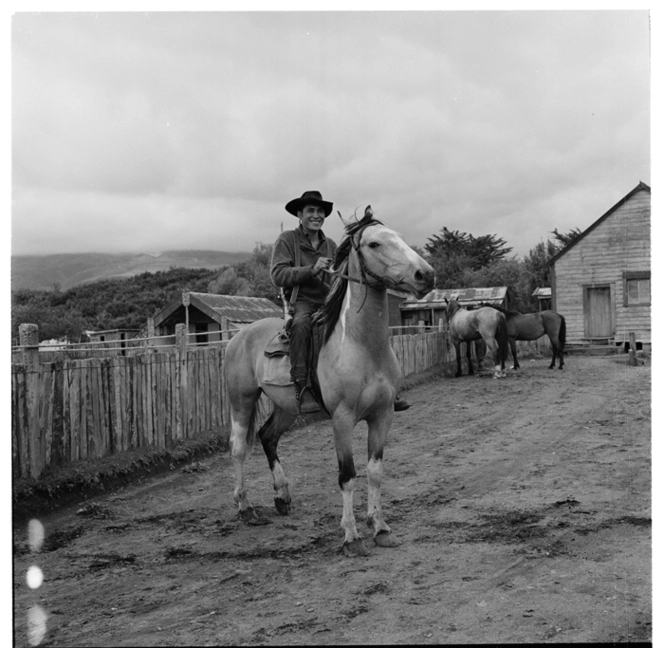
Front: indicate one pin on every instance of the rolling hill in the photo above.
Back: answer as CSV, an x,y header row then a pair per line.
x,y
69,270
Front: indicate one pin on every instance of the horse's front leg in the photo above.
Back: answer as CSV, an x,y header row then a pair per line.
x,y
343,425
457,350
471,371
378,430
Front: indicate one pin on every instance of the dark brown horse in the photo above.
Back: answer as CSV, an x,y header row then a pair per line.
x,y
484,324
357,370
532,326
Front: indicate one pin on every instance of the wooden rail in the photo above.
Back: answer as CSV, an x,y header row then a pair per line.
x,y
70,409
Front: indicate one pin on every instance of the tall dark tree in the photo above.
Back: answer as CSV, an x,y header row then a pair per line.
x,y
453,253
565,238
480,251
535,263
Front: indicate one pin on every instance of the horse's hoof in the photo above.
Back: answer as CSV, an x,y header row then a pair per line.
x,y
282,506
249,516
355,548
387,539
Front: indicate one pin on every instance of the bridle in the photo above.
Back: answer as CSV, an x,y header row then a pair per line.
x,y
381,282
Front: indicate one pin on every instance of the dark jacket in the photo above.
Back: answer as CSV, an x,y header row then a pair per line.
x,y
285,274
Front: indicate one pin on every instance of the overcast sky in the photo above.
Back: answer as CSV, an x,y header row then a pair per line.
x,y
145,132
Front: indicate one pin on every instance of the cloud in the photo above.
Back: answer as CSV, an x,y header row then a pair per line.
x,y
152,131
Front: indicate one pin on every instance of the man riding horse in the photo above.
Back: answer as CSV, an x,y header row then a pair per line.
x,y
300,259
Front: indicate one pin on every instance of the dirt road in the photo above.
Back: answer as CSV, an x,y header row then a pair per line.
x,y
523,505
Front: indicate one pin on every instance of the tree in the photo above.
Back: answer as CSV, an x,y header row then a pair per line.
x,y
537,261
453,254
566,238
479,251
256,271
508,272
229,283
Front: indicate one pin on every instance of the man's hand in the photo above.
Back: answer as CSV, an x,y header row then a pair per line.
x,y
321,264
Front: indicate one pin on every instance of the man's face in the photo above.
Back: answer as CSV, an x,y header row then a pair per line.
x,y
312,218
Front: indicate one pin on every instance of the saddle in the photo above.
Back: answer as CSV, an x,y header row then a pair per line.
x,y
277,364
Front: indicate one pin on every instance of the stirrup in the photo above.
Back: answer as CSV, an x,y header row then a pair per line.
x,y
306,402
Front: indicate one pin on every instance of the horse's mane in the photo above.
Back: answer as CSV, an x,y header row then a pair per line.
x,y
331,310
509,313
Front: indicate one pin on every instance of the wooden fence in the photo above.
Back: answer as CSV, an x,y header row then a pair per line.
x,y
71,409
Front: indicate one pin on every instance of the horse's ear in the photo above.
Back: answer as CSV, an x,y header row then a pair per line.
x,y
344,222
368,211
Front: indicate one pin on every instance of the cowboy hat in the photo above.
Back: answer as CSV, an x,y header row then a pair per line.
x,y
309,198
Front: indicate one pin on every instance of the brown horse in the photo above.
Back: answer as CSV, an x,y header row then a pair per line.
x,y
478,324
532,326
357,371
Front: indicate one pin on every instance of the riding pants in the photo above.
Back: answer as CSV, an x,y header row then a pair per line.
x,y
300,330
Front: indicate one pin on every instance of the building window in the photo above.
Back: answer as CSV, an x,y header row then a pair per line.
x,y
636,288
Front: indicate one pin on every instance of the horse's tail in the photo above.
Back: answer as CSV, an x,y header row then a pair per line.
x,y
503,340
562,334
252,428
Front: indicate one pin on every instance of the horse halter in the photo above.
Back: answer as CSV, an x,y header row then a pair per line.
x,y
381,282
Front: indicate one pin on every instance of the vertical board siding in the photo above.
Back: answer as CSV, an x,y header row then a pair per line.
x,y
67,410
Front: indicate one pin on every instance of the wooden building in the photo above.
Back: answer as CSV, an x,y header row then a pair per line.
x,y
395,299
543,296
601,281
431,308
212,317
112,335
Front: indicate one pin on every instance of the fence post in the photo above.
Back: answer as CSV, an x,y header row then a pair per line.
x,y
150,332
181,351
29,341
632,350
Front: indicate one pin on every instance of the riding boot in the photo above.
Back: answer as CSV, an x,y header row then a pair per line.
x,y
400,404
305,399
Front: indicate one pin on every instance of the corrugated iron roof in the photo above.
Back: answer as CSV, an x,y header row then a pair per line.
x,y
238,308
465,296
542,292
235,308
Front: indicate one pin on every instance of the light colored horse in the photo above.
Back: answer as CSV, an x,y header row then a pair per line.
x,y
532,326
357,371
483,323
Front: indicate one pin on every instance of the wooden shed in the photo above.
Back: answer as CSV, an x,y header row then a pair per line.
x,y
212,317
112,335
395,299
431,308
543,296
601,281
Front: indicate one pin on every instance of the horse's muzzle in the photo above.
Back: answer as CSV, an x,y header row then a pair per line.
x,y
425,281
